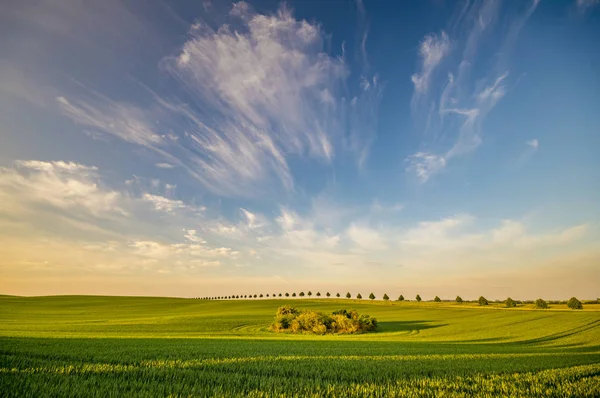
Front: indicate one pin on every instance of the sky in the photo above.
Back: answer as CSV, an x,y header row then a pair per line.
x,y
203,148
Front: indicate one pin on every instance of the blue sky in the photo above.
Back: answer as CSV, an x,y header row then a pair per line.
x,y
207,148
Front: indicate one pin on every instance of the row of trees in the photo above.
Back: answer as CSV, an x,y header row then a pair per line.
x,y
573,302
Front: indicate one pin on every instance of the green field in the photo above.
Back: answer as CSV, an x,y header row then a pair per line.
x,y
127,346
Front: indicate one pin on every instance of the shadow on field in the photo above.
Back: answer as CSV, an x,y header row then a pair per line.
x,y
411,326
560,335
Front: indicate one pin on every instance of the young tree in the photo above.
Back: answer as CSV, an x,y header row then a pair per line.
x,y
337,295
574,304
255,296
510,303
260,295
348,295
418,298
358,296
279,294
459,299
293,294
437,299
287,295
482,301
328,294
401,298
301,294
372,296
318,294
541,304
267,294
309,293
386,297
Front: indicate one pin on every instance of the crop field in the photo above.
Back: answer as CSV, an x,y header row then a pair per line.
x,y
126,346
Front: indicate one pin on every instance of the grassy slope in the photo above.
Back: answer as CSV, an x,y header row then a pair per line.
x,y
90,316
212,346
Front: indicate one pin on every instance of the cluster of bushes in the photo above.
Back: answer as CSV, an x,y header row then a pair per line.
x,y
290,319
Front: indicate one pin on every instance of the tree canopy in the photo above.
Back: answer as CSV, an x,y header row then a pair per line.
x,y
574,304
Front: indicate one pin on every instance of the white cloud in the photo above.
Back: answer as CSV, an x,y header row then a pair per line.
x,y
287,220
425,164
164,204
366,238
432,50
164,165
59,184
191,235
534,143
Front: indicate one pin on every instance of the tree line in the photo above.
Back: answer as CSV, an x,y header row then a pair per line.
x,y
572,303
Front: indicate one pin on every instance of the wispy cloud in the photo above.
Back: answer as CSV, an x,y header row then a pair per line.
x,y
585,5
271,91
462,100
257,90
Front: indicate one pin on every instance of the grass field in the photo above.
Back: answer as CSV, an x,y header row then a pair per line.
x,y
116,346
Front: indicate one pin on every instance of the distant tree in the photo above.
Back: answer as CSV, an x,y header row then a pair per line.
x,y
418,298
482,301
293,294
459,299
372,296
386,297
260,295
510,303
337,295
358,296
287,295
309,293
574,304
541,304
437,299
255,296
328,294
348,295
401,298
267,295
279,294
318,294
301,294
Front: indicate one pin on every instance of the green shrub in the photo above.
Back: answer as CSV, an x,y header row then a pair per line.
x,y
386,297
482,301
459,299
401,298
510,303
289,319
418,298
437,299
541,304
372,296
574,304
